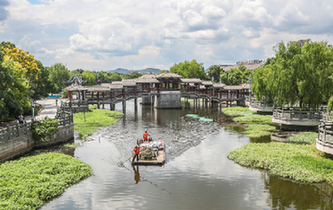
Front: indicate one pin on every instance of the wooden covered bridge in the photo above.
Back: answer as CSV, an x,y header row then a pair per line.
x,y
164,91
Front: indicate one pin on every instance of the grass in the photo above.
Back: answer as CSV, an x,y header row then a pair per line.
x,y
238,111
30,182
257,130
95,119
262,119
66,146
299,162
307,137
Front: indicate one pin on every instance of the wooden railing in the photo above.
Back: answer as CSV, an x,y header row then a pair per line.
x,y
290,113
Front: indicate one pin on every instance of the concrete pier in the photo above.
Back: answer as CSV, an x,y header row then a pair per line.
x,y
168,100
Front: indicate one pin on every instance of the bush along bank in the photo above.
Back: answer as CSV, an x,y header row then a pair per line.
x,y
256,125
87,123
30,182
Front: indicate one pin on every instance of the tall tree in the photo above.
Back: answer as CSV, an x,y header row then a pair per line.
x,y
189,69
58,73
236,76
214,71
297,74
90,77
43,85
14,89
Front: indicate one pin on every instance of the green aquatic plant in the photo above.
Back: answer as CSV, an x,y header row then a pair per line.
x,y
295,161
307,137
262,119
30,182
43,130
258,130
237,111
87,123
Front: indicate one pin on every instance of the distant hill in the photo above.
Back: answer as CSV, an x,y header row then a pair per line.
x,y
142,71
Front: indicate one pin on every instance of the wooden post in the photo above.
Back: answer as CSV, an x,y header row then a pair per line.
x,y
17,129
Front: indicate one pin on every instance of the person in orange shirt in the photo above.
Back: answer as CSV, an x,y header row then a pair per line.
x,y
136,153
145,135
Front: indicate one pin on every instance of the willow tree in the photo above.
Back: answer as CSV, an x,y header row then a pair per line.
x,y
296,75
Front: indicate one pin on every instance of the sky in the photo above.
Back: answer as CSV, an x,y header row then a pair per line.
x,y
105,35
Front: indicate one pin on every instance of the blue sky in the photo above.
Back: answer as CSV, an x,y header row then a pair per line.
x,y
105,35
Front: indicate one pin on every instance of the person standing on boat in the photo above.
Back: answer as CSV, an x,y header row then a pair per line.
x,y
136,153
145,135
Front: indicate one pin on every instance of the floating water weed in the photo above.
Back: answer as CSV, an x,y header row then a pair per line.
x,y
258,130
31,181
299,162
95,119
237,111
308,137
254,119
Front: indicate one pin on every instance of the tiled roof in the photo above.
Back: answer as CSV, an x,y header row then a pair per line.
x,y
191,80
207,83
218,85
128,82
147,78
168,74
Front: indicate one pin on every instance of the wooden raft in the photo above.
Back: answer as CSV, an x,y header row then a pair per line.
x,y
160,159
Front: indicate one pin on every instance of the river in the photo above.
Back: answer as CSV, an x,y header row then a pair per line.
x,y
197,173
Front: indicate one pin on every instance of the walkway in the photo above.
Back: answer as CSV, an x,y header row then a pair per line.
x,y
49,109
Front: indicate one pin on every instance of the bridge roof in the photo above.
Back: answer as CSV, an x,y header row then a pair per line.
x,y
169,74
116,86
207,83
218,85
191,80
128,82
74,87
147,78
98,88
233,87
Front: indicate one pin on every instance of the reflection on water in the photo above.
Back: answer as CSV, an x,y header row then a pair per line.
x,y
197,173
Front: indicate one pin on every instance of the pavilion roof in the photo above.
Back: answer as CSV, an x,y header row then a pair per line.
x,y
207,83
233,87
218,85
169,74
74,87
115,86
97,88
191,80
147,78
128,82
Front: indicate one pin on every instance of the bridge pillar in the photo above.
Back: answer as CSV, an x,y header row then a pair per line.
x,y
112,107
135,104
124,105
168,100
147,100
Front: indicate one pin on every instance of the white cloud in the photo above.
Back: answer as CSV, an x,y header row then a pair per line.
x,y
126,33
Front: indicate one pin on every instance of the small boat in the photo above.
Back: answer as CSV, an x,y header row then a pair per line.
x,y
156,148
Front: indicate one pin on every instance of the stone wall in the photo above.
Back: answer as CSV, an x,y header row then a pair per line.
x,y
168,100
24,143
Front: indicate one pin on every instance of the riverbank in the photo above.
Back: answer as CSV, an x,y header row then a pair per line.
x,y
87,123
30,182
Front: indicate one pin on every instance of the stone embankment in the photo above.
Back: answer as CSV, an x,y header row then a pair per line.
x,y
17,139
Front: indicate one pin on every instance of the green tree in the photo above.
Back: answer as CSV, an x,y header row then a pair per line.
x,y
296,74
90,77
115,77
132,75
14,89
58,73
236,76
43,85
214,71
189,69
